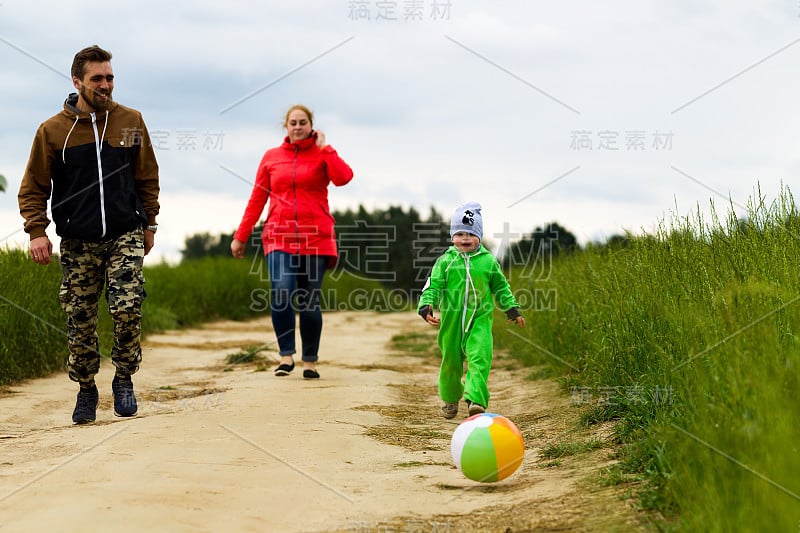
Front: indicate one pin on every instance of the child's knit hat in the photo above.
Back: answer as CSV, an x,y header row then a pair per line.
x,y
467,218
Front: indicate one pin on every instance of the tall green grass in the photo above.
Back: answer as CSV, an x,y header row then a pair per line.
x,y
32,325
688,339
33,339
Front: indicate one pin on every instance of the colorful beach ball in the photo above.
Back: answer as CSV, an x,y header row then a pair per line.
x,y
487,447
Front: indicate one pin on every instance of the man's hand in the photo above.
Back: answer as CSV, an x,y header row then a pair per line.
x,y
149,240
41,250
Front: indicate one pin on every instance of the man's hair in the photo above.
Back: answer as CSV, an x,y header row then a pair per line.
x,y
91,54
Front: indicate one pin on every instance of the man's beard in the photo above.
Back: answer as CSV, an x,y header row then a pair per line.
x,y
90,97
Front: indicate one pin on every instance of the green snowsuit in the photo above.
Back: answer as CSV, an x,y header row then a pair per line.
x,y
462,286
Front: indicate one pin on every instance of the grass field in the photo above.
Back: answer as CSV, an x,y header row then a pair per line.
x,y
688,339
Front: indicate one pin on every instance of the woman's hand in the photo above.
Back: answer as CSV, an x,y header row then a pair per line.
x,y
237,249
320,138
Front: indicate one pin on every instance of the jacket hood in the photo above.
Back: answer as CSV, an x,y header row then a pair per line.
x,y
453,251
72,113
302,144
71,108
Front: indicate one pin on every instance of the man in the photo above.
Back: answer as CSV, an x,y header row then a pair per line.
x,y
96,159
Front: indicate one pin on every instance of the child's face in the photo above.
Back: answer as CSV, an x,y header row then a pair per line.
x,y
465,242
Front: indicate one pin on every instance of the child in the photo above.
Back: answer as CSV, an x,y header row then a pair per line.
x,y
462,284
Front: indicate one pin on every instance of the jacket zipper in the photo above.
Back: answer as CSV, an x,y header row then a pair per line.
x,y
99,175
294,193
466,324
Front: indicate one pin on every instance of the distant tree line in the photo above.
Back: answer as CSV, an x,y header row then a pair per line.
x,y
397,247
543,243
393,246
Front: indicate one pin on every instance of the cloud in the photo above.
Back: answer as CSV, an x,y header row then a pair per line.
x,y
432,112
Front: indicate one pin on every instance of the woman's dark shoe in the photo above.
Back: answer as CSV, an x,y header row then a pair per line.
x,y
284,369
310,374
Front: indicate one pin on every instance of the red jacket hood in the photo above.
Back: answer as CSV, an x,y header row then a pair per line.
x,y
302,144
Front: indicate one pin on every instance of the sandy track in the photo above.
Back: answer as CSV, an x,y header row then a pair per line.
x,y
220,447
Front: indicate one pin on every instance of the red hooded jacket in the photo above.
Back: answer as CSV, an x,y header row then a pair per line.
x,y
295,178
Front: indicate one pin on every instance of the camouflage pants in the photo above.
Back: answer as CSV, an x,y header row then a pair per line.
x,y
87,268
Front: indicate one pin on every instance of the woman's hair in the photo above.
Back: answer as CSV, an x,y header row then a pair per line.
x,y
91,54
302,108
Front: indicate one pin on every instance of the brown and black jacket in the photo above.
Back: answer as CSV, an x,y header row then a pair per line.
x,y
101,170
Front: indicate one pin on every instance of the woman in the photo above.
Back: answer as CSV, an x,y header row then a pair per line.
x,y
298,236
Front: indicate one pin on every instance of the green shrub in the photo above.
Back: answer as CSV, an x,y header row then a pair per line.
x,y
34,342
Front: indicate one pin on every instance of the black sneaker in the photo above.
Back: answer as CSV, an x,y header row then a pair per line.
x,y
124,399
86,405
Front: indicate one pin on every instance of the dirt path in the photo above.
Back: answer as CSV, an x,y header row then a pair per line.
x,y
223,447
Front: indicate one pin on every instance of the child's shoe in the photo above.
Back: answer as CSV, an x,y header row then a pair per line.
x,y
475,408
449,410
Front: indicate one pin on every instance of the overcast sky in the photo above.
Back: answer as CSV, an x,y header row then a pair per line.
x,y
603,117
